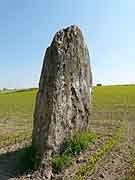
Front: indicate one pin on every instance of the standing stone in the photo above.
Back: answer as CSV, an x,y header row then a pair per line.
x,y
63,100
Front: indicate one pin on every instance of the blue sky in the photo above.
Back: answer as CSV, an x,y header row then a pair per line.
x,y
28,26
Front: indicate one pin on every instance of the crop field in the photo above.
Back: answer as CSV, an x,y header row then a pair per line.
x,y
16,109
112,120
114,98
16,114
113,102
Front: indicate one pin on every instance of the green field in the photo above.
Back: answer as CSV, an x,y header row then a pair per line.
x,y
112,110
16,114
114,98
16,108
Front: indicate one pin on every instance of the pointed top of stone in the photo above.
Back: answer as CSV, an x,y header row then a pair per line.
x,y
66,34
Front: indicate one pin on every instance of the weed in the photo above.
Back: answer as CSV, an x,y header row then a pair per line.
x,y
61,162
79,142
73,146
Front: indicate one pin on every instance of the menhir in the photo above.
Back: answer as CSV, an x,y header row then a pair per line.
x,y
63,99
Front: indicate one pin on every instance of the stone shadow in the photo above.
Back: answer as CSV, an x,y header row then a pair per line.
x,y
10,164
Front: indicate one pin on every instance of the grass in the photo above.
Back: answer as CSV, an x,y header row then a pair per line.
x,y
72,147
